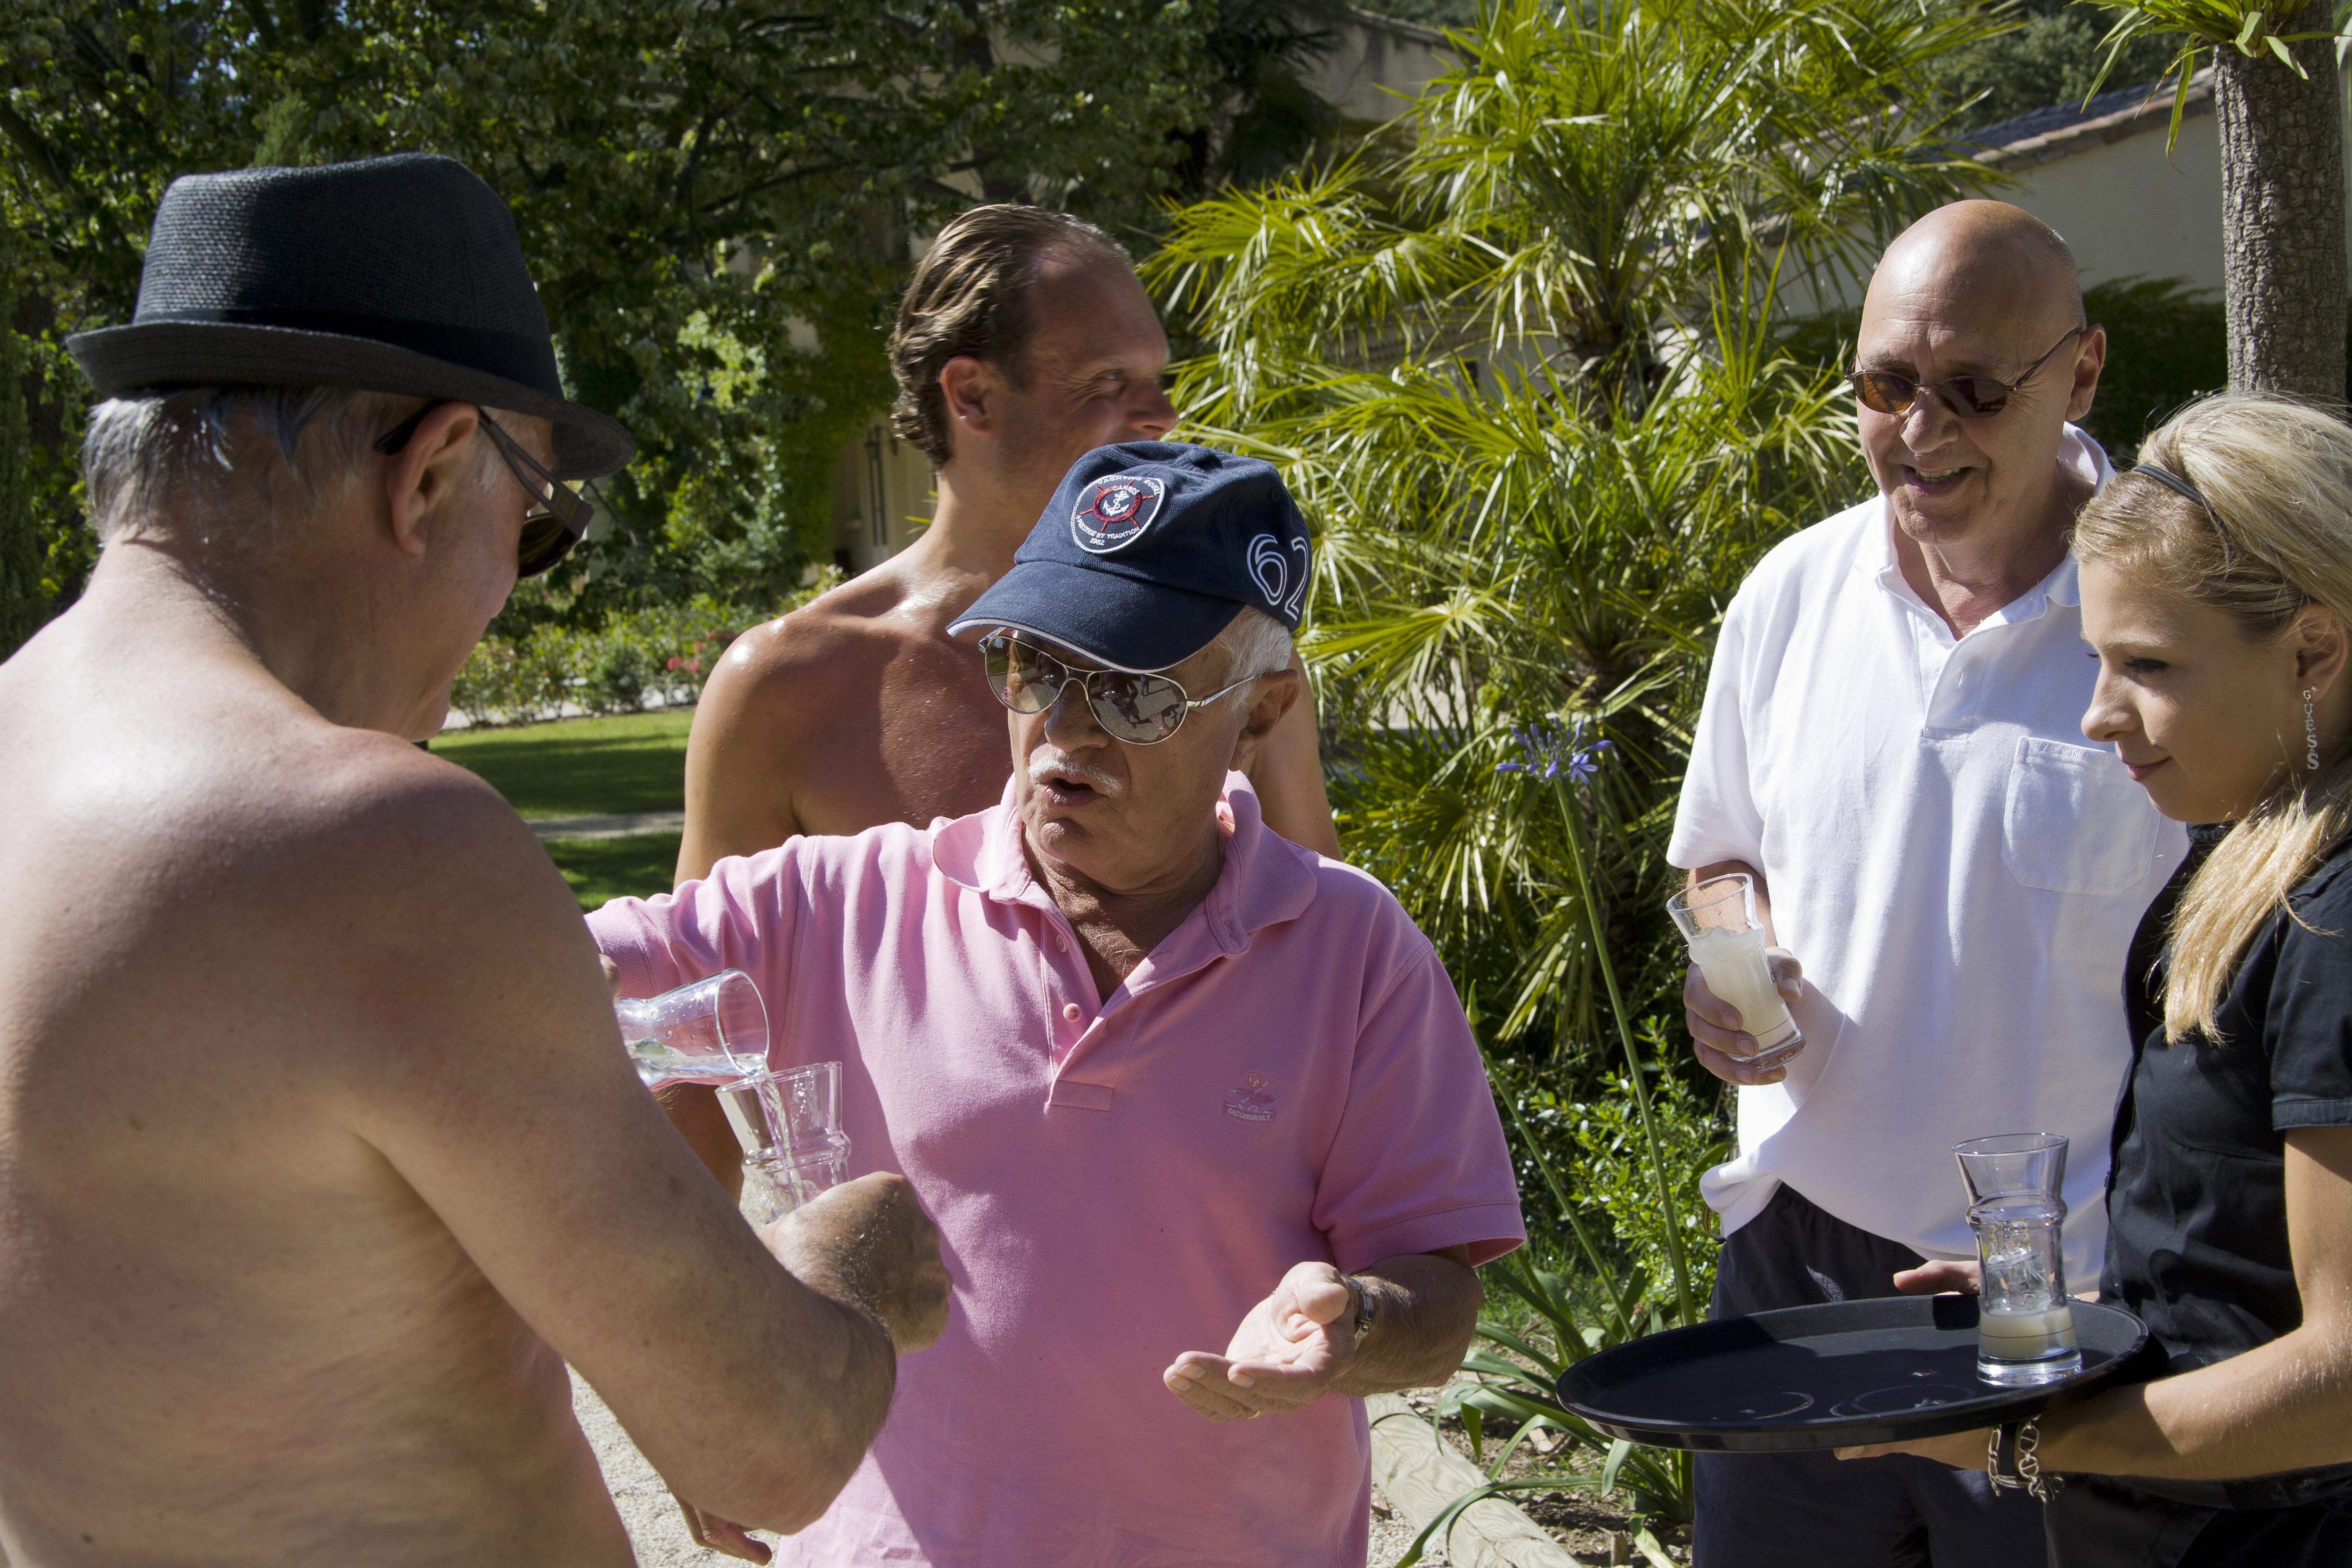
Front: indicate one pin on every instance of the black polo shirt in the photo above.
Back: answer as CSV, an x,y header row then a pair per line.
x,y
2197,1238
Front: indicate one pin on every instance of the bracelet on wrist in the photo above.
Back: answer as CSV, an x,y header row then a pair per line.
x,y
1366,1309
2012,1460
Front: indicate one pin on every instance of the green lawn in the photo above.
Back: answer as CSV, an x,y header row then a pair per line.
x,y
590,767
602,869
582,767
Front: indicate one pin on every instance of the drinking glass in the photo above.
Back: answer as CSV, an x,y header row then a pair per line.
x,y
713,1031
2025,1323
1717,919
789,1124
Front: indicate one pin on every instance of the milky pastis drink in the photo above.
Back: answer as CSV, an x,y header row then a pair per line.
x,y
1717,918
2025,1323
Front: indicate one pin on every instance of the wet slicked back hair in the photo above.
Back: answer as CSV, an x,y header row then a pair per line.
x,y
970,295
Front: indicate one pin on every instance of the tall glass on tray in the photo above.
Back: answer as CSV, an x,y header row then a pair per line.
x,y
1717,919
713,1031
2025,1322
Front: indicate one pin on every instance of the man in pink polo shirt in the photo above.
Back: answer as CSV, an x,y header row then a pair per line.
x,y
1205,1134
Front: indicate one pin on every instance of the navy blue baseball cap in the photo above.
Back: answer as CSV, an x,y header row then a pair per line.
x,y
1148,551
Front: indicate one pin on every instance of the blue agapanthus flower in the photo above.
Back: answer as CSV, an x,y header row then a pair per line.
x,y
1551,752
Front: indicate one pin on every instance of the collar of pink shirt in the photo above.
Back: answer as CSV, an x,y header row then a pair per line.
x,y
1265,879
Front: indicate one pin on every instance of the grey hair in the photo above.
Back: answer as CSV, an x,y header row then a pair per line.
x,y
1255,644
204,454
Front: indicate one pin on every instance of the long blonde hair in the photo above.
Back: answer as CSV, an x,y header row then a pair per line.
x,y
2273,537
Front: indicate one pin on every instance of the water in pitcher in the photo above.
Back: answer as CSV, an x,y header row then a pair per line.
x,y
657,1061
1736,970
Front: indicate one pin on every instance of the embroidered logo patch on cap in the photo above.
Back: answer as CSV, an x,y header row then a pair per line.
x,y
1112,513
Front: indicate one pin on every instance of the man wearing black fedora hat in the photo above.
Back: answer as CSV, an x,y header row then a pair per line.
x,y
319,1152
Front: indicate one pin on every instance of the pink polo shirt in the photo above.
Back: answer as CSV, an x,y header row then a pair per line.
x,y
1286,1078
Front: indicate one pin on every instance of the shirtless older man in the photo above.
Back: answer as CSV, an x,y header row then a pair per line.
x,y
318,1152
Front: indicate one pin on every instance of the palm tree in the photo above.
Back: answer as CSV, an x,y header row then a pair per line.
x,y
2279,103
1516,360
1511,357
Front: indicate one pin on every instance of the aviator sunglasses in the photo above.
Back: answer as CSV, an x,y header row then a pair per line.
x,y
1140,709
1969,396
551,527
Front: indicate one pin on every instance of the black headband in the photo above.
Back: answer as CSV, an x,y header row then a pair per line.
x,y
2174,482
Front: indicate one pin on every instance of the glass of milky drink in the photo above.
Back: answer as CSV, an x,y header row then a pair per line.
x,y
2025,1324
1717,918
713,1031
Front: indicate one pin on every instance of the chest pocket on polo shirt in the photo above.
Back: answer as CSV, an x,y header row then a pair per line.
x,y
2073,822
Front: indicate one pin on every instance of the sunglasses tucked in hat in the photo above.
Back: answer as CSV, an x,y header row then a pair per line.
x,y
1148,551
400,275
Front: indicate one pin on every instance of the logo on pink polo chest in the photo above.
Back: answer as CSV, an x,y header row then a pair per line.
x,y
1251,1102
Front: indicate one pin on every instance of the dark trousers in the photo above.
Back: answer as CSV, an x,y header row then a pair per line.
x,y
1813,1509
2099,1522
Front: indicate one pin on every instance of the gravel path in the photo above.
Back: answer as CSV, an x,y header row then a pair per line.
x,y
614,824
660,1533
654,1524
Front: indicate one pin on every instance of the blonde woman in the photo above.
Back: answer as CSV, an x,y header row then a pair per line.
x,y
2217,598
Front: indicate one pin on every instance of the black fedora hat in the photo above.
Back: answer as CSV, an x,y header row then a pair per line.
x,y
399,274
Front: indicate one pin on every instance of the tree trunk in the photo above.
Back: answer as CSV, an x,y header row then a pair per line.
x,y
2282,216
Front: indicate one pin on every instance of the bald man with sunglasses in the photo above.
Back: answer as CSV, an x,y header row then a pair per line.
x,y
1890,751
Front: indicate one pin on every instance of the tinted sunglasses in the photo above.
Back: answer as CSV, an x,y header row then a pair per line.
x,y
551,527
1140,709
1969,396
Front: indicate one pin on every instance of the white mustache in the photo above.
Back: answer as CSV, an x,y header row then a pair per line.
x,y
1041,767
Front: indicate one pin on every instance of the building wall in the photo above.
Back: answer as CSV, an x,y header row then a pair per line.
x,y
884,496
1378,65
2125,207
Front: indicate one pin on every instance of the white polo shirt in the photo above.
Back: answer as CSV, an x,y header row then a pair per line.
x,y
1958,870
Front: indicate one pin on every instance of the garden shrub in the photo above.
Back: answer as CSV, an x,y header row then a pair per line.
x,y
660,655
618,676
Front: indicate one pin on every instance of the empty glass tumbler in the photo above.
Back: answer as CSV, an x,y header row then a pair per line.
x,y
713,1031
789,1125
1717,918
2025,1323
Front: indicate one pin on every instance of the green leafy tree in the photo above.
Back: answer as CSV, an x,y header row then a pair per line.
x,y
24,603
718,200
2280,104
2052,57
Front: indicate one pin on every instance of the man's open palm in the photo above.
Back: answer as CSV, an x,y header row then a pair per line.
x,y
1283,1356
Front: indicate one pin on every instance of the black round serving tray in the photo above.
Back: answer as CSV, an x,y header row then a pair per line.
x,y
1823,1377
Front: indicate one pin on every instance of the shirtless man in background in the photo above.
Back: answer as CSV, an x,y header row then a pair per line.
x,y
320,1154
1023,342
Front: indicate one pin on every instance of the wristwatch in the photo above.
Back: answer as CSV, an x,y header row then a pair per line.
x,y
1367,1310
